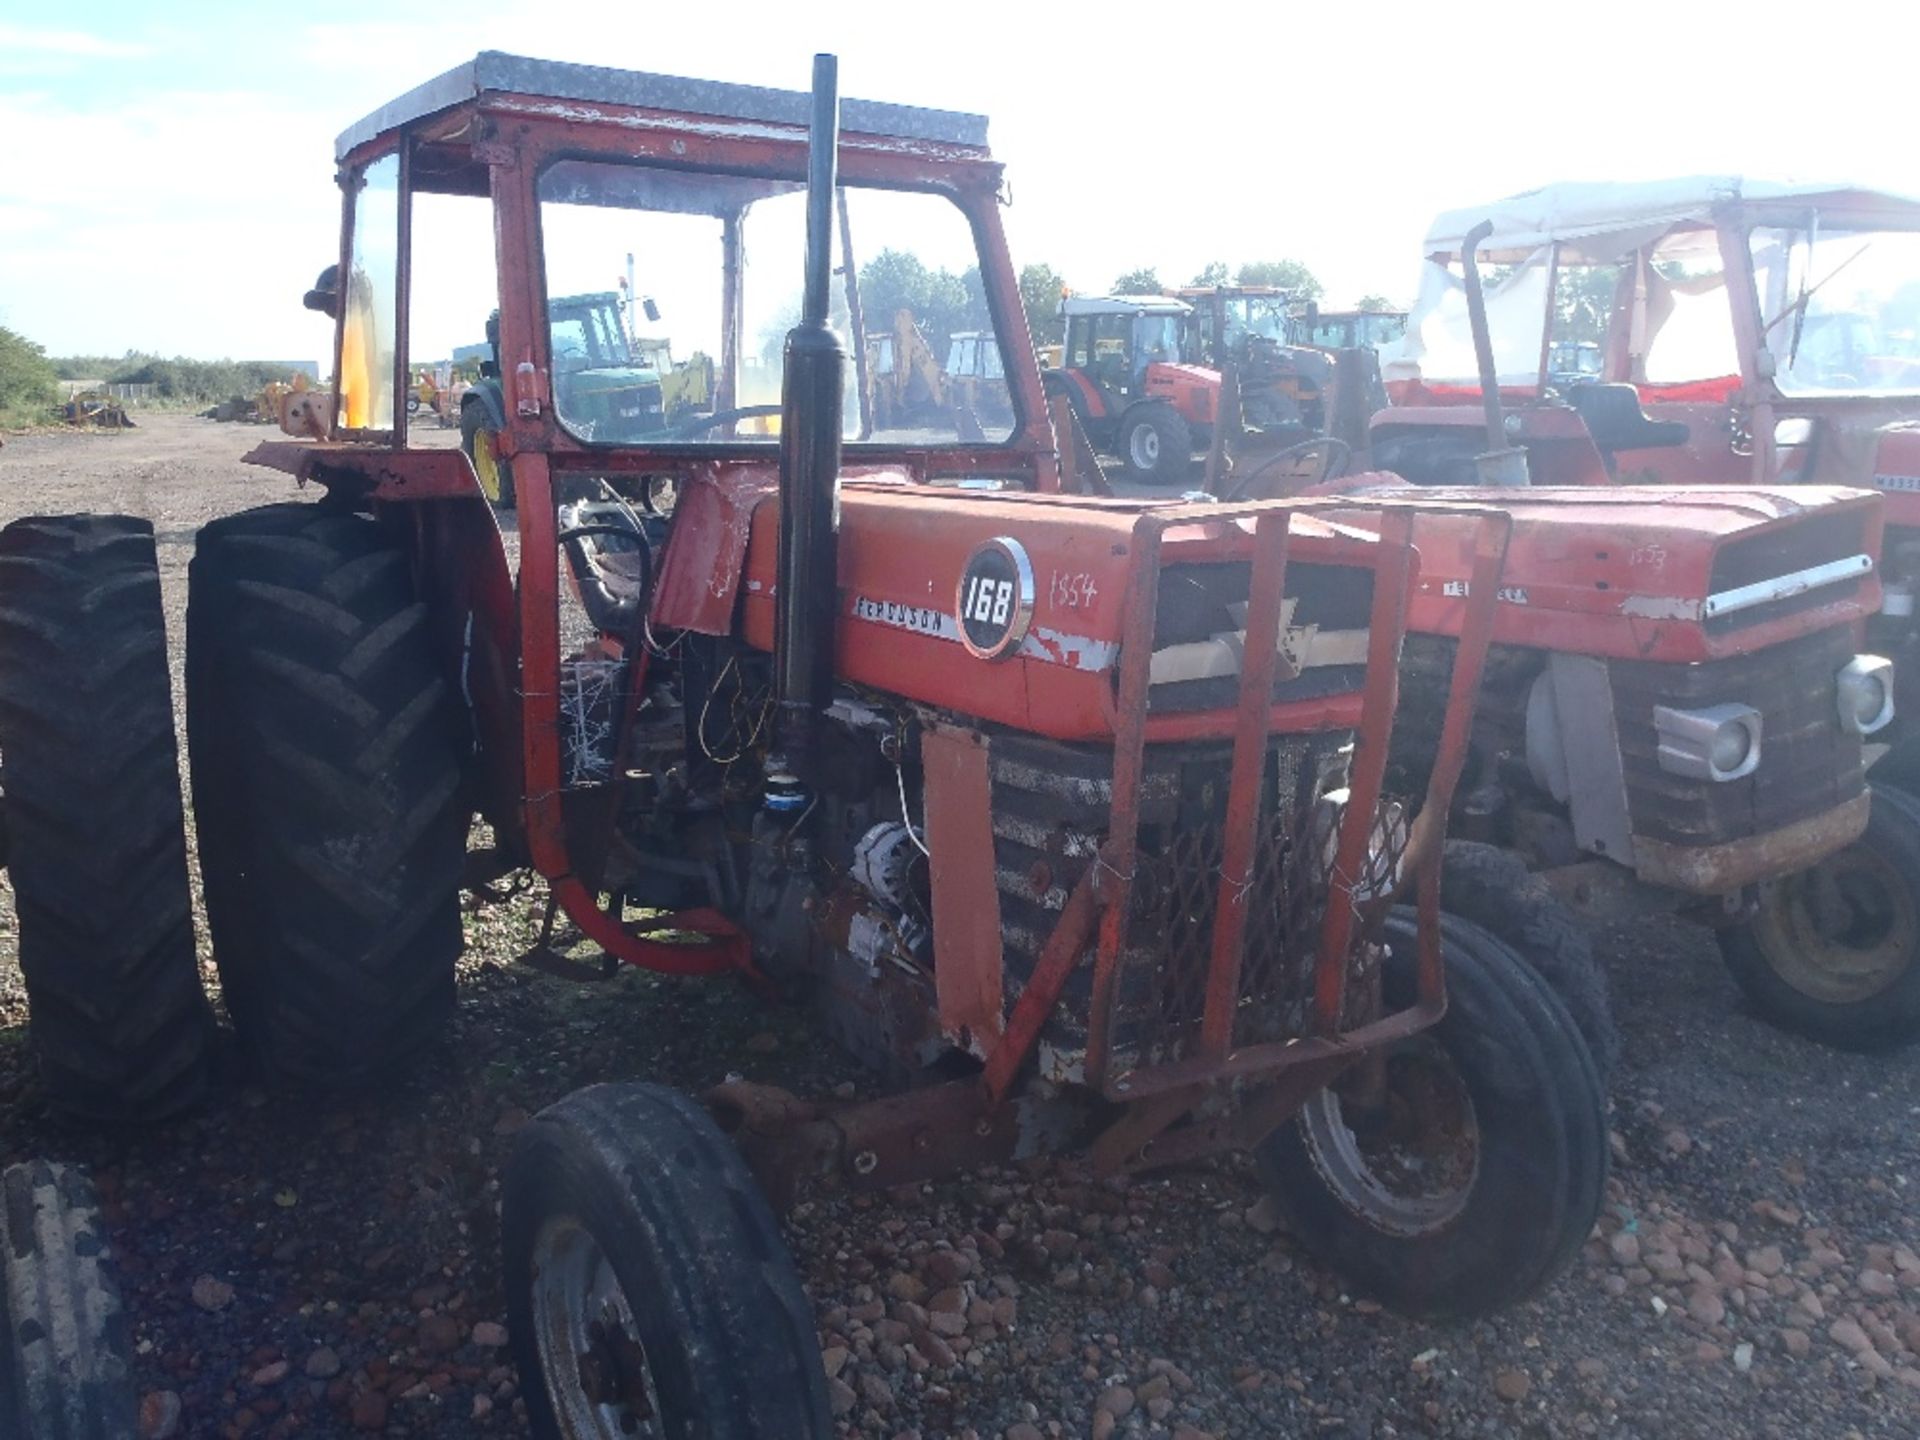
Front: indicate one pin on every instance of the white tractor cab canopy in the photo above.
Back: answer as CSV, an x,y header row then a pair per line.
x,y
1746,300
1122,333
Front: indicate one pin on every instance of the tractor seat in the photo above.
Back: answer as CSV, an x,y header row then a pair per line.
x,y
1615,420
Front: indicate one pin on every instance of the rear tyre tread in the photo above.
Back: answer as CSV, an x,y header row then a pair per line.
x,y
97,835
327,789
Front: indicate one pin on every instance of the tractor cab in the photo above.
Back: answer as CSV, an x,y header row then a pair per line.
x,y
1282,387
1707,330
1228,320
1309,325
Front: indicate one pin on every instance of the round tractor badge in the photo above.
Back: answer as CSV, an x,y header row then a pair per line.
x,y
994,603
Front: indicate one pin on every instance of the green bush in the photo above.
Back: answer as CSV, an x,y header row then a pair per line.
x,y
177,381
28,385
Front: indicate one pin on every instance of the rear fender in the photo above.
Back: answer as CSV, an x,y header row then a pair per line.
x,y
487,395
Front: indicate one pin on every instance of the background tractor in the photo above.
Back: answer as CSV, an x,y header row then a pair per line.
x,y
620,386
1283,387
1678,710
1123,372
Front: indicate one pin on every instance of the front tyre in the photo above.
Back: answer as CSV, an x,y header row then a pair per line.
x,y
648,1290
1834,951
1494,889
1480,1172
1156,445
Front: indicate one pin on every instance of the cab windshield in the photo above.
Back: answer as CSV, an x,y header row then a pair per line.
x,y
1156,338
1840,306
692,353
1260,317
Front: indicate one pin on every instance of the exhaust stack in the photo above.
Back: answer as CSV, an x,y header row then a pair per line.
x,y
1502,464
811,400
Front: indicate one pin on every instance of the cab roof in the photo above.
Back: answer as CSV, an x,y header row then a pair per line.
x,y
1604,219
1124,305
492,71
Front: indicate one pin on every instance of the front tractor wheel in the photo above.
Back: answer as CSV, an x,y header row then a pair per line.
x,y
1477,1171
1834,952
97,844
1156,445
326,789
1494,889
478,439
649,1293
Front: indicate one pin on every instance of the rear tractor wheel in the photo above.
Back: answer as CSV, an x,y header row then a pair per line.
x,y
97,846
478,440
649,1293
327,792
1473,1179
1834,952
1156,445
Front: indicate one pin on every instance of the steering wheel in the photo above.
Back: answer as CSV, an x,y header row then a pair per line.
x,y
1338,454
700,424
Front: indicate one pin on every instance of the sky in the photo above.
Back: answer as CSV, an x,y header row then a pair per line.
x,y
166,172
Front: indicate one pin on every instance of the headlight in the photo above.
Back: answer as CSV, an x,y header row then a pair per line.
x,y
1718,743
1863,691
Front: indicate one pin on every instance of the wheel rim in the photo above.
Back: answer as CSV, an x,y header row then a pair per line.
x,y
1408,1165
486,466
1841,932
597,1375
1144,447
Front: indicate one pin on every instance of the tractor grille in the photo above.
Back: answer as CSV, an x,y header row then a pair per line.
x,y
1050,808
1786,551
1807,763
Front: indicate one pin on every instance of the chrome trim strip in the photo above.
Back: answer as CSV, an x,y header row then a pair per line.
x,y
1761,592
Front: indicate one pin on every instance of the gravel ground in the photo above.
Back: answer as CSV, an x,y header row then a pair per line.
x,y
322,1266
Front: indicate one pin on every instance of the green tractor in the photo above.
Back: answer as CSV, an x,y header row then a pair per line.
x,y
618,389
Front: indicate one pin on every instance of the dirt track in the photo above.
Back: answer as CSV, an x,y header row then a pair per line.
x,y
1763,1197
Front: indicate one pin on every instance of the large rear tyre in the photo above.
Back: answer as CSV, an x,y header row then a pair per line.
x,y
1834,952
66,1373
1494,889
98,852
1481,1174
327,792
1156,445
648,1290
477,439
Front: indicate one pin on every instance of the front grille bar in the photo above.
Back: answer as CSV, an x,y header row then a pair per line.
x,y
1393,562
1784,587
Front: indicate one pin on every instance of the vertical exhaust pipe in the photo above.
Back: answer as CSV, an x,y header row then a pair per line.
x,y
1501,464
811,399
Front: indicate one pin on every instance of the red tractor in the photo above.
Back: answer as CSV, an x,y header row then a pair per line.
x,y
780,693
1609,636
1126,372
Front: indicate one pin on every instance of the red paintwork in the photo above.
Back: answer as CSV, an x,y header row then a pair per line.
x,y
903,548
1619,573
1192,390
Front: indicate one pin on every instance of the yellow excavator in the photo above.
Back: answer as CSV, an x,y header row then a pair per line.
x,y
904,382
